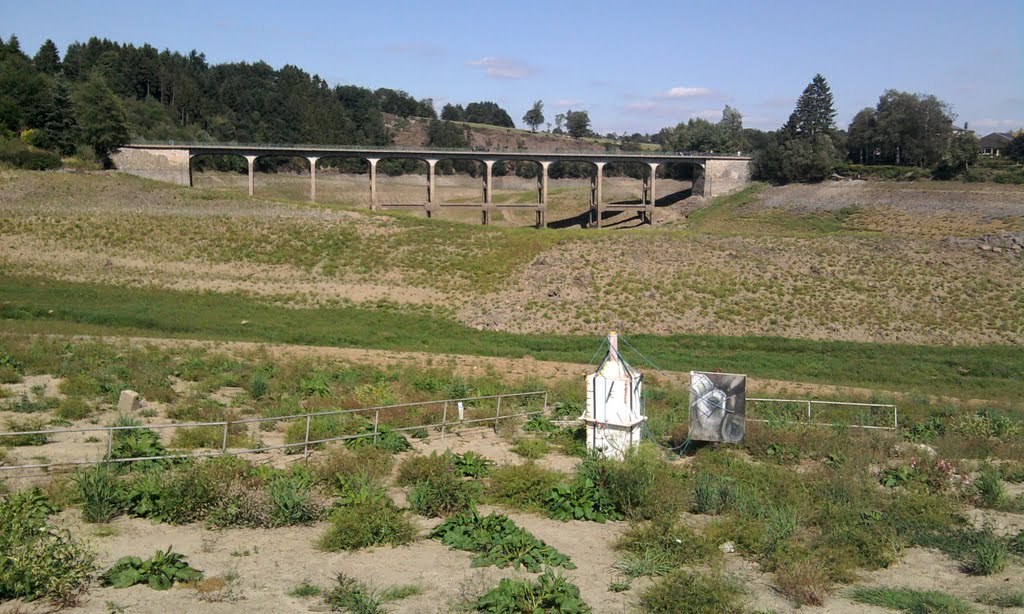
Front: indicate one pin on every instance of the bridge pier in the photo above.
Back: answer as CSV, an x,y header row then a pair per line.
x,y
488,210
542,188
596,196
252,177
431,188
373,182
312,178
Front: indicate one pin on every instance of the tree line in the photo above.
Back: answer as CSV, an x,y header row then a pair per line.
x,y
103,93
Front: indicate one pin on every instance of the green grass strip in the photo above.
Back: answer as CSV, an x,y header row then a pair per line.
x,y
29,304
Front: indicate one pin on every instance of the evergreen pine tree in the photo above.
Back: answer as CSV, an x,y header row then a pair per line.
x,y
60,129
47,59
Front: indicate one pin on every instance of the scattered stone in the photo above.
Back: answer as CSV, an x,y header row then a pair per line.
x,y
906,448
129,401
985,248
727,547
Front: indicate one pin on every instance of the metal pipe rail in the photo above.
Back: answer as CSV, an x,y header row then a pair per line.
x,y
810,414
304,444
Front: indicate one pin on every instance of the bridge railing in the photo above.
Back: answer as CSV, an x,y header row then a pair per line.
x,y
424,150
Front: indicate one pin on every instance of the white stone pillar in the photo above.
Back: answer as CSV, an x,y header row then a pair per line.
x,y
488,181
597,194
373,182
312,178
252,178
431,188
654,193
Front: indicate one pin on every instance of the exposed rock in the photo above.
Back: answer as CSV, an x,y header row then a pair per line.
x,y
130,401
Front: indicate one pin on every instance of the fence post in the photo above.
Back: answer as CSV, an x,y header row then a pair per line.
x,y
497,414
895,418
224,440
376,420
444,419
305,444
808,411
110,443
545,403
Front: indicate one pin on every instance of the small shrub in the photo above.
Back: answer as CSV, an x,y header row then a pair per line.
x,y
138,443
991,491
911,601
550,592
101,492
320,428
211,437
371,523
386,439
989,555
351,595
666,539
341,464
26,425
443,495
471,464
181,495
804,580
73,409
693,593
420,468
24,405
523,486
293,502
258,385
531,448
160,572
581,500
39,561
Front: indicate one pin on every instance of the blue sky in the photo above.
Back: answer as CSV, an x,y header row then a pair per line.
x,y
634,67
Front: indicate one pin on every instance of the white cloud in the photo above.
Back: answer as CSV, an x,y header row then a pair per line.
x,y
568,102
502,68
687,92
709,114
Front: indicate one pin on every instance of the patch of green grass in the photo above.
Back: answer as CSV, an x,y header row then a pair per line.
x,y
33,304
306,590
694,593
1013,598
531,448
912,601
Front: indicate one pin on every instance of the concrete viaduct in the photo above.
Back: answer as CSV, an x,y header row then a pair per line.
x,y
714,174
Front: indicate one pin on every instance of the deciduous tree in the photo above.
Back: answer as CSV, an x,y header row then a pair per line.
x,y
100,116
535,116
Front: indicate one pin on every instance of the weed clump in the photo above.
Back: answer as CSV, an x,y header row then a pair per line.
x,y
550,592
910,600
694,593
443,495
160,571
101,493
39,561
523,486
498,541
375,521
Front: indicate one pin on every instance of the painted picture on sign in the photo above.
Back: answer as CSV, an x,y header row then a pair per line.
x,y
717,403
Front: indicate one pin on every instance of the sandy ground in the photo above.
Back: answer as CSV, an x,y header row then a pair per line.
x,y
270,563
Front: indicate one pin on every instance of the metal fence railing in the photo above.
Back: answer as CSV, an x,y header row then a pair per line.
x,y
453,413
867,416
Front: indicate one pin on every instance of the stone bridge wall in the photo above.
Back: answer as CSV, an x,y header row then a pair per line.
x,y
721,177
161,164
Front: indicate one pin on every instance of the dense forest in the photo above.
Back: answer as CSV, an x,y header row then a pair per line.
x,y
102,94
